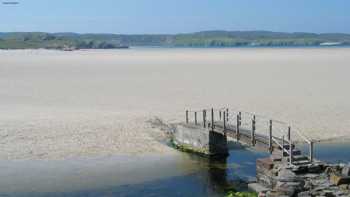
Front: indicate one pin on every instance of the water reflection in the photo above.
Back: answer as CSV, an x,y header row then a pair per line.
x,y
211,180
217,174
185,175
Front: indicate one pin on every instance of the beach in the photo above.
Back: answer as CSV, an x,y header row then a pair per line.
x,y
59,105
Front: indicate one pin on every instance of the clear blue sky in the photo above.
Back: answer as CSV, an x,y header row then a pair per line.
x,y
175,16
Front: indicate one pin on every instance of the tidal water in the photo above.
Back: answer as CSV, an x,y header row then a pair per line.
x,y
151,175
331,152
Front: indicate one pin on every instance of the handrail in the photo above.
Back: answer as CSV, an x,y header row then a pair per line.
x,y
283,149
302,136
233,114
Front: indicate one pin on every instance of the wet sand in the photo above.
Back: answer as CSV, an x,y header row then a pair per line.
x,y
57,105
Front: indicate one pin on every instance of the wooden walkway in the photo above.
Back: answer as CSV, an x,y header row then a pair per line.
x,y
257,131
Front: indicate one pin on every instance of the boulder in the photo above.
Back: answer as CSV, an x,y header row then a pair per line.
x,y
339,179
265,163
344,187
346,171
286,175
304,194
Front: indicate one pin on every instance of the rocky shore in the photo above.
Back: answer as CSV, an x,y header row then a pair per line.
x,y
316,179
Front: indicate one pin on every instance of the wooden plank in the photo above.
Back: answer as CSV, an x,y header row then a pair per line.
x,y
195,118
204,118
187,116
253,130
212,120
238,124
311,151
270,136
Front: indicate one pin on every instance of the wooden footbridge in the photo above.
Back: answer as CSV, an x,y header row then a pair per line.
x,y
276,137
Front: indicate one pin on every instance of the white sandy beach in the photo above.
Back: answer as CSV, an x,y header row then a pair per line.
x,y
56,105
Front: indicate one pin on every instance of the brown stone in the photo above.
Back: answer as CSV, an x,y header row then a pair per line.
x,y
339,180
266,163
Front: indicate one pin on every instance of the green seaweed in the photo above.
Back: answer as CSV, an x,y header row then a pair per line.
x,y
241,194
189,149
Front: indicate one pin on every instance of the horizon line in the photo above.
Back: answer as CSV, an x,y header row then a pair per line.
x,y
178,33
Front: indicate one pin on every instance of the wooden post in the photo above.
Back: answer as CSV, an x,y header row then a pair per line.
x,y
227,115
253,131
224,123
204,118
220,115
195,118
270,137
240,118
290,152
237,128
282,147
212,119
311,151
289,133
187,116
290,146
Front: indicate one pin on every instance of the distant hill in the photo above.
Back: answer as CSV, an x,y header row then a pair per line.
x,y
35,40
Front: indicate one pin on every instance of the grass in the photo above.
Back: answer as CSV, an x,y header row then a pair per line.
x,y
241,194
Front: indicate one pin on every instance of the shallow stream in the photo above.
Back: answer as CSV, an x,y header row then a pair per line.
x,y
148,175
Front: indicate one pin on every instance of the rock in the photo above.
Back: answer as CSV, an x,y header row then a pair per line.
x,y
320,188
328,193
307,185
317,168
256,187
287,188
275,157
298,184
286,191
339,180
338,193
344,187
300,169
304,194
312,176
286,175
346,171
276,194
265,163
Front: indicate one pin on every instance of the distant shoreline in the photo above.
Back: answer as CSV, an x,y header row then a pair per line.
x,y
187,47
205,39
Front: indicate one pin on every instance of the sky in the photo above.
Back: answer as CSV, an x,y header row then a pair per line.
x,y
175,16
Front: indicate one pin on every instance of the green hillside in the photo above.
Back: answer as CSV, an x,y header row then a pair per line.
x,y
35,40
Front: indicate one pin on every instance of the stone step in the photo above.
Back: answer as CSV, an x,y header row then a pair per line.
x,y
299,158
294,153
301,163
285,154
286,146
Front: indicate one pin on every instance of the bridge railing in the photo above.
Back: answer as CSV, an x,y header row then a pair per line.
x,y
278,132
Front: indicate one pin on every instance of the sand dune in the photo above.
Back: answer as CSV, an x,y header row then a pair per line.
x,y
56,105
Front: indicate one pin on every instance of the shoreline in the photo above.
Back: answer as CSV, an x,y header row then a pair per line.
x,y
189,47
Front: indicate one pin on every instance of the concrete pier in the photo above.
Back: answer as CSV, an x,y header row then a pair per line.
x,y
192,138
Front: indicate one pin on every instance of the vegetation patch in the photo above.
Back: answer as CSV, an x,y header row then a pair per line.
x,y
189,149
33,40
241,194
